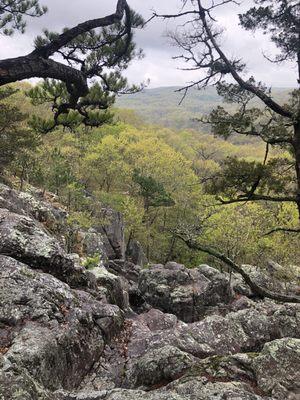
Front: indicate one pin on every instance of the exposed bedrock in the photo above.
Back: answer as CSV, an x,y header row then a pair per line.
x,y
121,331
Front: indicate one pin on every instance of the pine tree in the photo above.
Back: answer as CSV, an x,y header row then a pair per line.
x,y
95,50
274,123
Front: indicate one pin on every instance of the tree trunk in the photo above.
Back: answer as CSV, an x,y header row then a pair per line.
x,y
296,145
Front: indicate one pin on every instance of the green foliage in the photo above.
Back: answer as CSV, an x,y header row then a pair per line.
x,y
160,107
12,13
17,142
279,19
177,174
98,58
153,192
92,262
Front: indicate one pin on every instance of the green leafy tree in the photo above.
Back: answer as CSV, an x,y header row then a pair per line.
x,y
17,141
153,193
274,123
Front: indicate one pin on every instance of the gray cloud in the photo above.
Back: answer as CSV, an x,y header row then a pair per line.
x,y
158,64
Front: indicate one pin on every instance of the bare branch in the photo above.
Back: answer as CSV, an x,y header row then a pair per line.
x,y
256,289
258,197
284,230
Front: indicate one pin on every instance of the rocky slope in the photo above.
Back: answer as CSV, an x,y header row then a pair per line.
x,y
120,331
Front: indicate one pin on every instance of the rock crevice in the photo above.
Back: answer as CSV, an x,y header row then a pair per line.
x,y
122,331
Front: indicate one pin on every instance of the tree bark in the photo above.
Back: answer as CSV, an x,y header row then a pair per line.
x,y
38,65
296,146
256,289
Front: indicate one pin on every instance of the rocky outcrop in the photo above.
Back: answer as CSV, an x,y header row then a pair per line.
x,y
268,278
26,240
135,253
276,368
122,331
190,294
50,335
112,230
32,205
107,239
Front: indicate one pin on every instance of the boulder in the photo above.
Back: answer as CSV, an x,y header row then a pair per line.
x,y
135,253
157,367
93,244
116,290
50,335
277,369
190,294
26,240
139,352
32,205
218,378
112,230
107,239
130,274
268,278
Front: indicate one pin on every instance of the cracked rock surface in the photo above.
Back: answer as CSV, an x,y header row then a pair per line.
x,y
120,331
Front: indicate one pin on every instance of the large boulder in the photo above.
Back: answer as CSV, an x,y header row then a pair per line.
x,y
277,369
112,230
130,273
26,240
269,278
93,244
115,287
135,253
33,205
50,335
188,293
157,367
106,239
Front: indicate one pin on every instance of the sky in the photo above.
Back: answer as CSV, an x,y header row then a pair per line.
x,y
158,65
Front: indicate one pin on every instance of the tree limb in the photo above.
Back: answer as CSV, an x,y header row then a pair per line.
x,y
256,289
284,230
37,63
245,85
258,197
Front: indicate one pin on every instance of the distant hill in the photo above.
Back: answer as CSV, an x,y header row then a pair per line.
x,y
160,106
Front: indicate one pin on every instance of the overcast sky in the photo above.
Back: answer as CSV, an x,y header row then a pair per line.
x,y
158,65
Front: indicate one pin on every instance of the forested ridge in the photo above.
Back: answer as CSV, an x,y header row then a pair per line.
x,y
149,238
161,180
164,106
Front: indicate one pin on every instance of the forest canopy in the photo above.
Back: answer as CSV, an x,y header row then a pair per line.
x,y
203,188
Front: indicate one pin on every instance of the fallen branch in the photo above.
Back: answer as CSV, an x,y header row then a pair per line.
x,y
256,289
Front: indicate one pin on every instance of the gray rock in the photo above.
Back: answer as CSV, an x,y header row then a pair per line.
x,y
135,253
188,293
50,335
266,278
130,273
107,239
112,230
277,368
26,240
25,203
116,290
215,336
93,243
157,367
